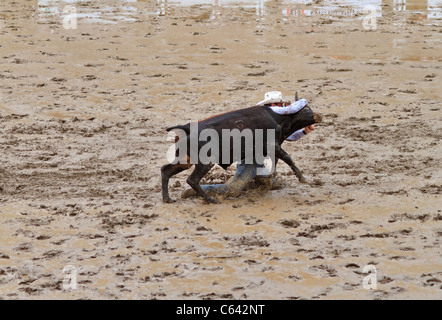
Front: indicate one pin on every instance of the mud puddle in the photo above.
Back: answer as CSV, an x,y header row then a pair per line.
x,y
82,119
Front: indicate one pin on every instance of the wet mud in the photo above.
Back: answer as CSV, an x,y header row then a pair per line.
x,y
83,114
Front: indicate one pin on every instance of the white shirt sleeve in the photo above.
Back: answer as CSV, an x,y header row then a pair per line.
x,y
290,109
296,135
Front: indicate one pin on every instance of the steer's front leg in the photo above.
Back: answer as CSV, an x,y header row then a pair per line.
x,y
194,181
284,156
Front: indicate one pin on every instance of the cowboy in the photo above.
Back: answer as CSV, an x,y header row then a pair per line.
x,y
246,173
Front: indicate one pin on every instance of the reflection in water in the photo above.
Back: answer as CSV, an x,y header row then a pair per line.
x,y
127,9
102,13
164,6
343,8
351,8
117,11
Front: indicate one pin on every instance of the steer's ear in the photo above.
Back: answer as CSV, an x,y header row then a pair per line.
x,y
240,125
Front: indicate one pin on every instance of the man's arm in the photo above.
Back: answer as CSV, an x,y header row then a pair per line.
x,y
290,109
300,133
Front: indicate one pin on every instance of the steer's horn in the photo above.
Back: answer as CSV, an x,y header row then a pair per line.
x,y
296,96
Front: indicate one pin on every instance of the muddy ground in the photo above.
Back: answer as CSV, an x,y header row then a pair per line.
x,y
82,119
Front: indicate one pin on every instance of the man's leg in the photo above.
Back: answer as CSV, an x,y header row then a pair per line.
x,y
267,180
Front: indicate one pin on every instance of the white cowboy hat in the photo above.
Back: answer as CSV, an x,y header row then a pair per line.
x,y
272,97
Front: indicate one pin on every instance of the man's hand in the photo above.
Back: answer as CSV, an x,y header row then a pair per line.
x,y
309,129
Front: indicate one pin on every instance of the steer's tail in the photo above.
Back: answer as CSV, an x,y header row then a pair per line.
x,y
179,134
185,128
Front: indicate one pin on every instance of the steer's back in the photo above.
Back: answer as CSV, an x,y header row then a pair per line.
x,y
257,117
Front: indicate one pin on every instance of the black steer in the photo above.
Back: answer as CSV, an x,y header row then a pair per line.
x,y
257,117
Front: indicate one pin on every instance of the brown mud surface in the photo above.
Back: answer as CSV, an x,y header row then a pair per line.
x,y
83,114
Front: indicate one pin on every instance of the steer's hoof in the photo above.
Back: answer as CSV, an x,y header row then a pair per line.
x,y
168,200
211,200
303,180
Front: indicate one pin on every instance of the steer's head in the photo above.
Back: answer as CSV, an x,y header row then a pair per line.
x,y
308,114
303,118
306,117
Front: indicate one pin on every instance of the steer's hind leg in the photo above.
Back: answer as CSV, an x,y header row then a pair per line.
x,y
194,180
167,171
281,154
